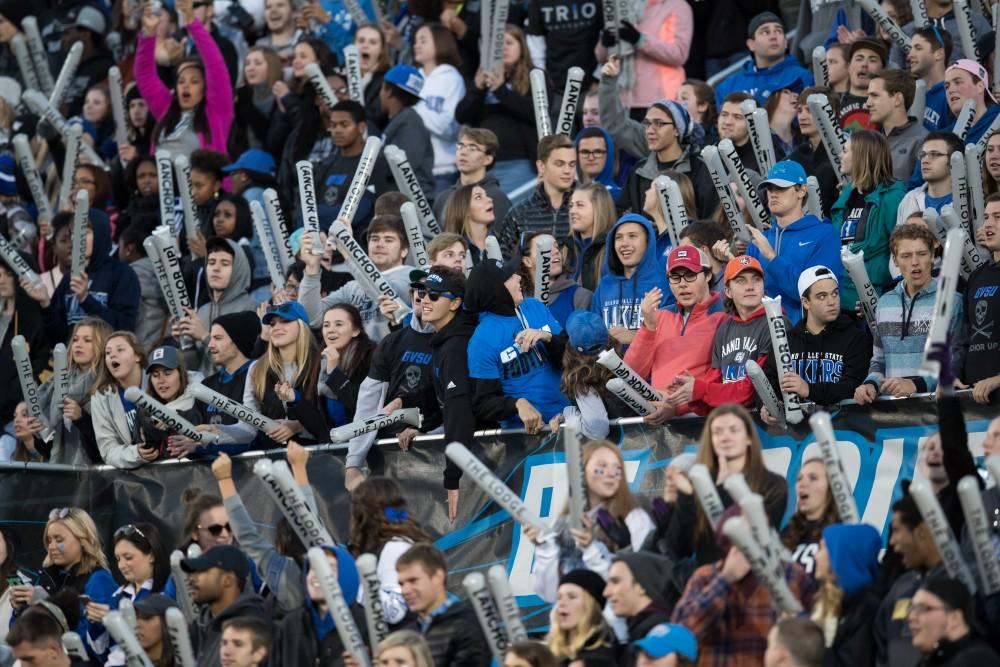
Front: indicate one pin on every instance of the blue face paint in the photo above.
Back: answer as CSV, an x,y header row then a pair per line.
x,y
61,546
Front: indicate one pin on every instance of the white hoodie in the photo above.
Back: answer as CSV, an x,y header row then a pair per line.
x,y
443,88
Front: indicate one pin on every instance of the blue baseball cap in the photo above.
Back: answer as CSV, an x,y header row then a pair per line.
x,y
255,160
667,638
406,78
785,174
587,332
289,310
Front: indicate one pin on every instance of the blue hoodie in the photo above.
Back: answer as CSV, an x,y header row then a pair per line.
x,y
806,242
617,298
347,577
762,82
113,290
607,175
853,550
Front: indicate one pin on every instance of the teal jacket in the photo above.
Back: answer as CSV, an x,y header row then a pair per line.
x,y
883,202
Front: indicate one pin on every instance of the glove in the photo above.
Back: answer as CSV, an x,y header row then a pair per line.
x,y
616,532
629,33
608,39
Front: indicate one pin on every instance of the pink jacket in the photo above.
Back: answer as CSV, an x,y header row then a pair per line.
x,y
666,27
218,90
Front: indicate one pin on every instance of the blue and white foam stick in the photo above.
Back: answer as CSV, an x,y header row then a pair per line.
x,y
630,397
944,301
843,496
279,228
977,523
165,179
68,71
368,275
614,363
168,416
38,56
268,247
408,416
542,256
540,98
352,68
896,34
766,392
74,648
972,255
125,638
321,85
814,202
707,493
965,119
233,409
362,176
406,181
29,387
919,10
916,110
829,132
117,101
182,167
821,69
338,607
307,202
570,100
974,181
26,161
177,631
738,531
944,538
20,48
415,235
573,448
280,483
663,193
60,385
14,260
378,627
966,32
720,180
960,190
506,603
486,612
854,264
184,598
71,159
740,176
778,328
492,249
78,235
493,486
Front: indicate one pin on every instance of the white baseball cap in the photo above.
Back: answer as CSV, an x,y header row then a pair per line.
x,y
813,275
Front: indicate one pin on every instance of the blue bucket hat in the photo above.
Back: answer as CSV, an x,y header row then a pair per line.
x,y
255,160
407,78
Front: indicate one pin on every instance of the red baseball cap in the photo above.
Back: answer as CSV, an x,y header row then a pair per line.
x,y
738,265
686,257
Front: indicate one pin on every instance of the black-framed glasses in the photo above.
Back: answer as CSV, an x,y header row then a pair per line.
x,y
128,531
472,148
590,155
59,513
216,528
687,277
654,123
433,296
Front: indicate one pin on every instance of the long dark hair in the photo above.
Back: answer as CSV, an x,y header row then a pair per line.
x,y
371,526
7,567
196,501
173,115
445,46
146,538
131,173
358,353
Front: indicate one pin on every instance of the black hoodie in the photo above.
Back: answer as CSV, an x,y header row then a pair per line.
x,y
833,362
453,387
26,321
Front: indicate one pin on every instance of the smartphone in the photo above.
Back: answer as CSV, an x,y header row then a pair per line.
x,y
83,599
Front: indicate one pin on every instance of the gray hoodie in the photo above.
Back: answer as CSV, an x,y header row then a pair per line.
x,y
353,293
150,324
234,299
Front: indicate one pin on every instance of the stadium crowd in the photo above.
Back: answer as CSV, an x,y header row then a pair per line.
x,y
535,253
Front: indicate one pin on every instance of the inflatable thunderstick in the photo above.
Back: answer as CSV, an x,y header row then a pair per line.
x,y
573,448
117,102
944,538
720,180
738,532
125,638
168,416
267,245
707,493
750,195
843,496
854,264
352,67
610,360
14,259
184,598
829,132
78,235
506,603
766,392
406,181
321,85
182,167
70,162
291,501
333,595
307,201
29,387
60,384
26,161
378,627
944,300
540,98
977,523
543,268
486,612
362,176
570,100
233,409
821,69
279,228
890,27
39,58
415,235
177,630
630,397
408,416
778,327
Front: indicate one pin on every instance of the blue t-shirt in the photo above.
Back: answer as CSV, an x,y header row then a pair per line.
x,y
936,202
493,355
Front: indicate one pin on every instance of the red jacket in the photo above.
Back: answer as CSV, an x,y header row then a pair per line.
x,y
679,344
737,341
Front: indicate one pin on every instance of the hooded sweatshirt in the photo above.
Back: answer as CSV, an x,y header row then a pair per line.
x,y
113,291
234,298
806,242
454,388
607,176
206,630
494,357
762,82
617,297
376,326
737,341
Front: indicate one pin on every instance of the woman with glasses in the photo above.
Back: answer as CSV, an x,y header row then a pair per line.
x,y
346,358
614,521
470,212
74,561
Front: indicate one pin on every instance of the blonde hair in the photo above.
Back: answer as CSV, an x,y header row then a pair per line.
x,y
591,633
82,527
604,215
411,640
620,504
871,160
306,364
101,332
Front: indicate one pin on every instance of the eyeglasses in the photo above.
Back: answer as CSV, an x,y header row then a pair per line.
x,y
128,531
931,155
433,296
60,513
687,277
657,124
920,609
472,148
216,529
590,155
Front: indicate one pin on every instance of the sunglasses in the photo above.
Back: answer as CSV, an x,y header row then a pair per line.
x,y
60,513
129,531
433,296
216,529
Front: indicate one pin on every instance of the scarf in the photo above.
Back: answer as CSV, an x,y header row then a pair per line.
x,y
621,11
